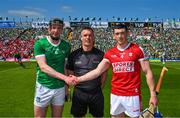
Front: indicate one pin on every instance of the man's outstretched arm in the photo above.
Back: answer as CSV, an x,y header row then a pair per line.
x,y
41,60
101,68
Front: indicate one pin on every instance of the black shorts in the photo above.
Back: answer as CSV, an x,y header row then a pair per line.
x,y
82,100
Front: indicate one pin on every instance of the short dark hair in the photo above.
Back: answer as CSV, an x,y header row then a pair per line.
x,y
121,26
87,28
55,21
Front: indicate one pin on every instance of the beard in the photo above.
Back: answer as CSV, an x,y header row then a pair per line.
x,y
55,38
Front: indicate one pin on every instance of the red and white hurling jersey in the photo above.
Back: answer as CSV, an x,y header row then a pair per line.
x,y
126,69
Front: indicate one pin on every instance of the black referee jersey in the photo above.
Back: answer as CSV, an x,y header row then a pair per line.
x,y
81,62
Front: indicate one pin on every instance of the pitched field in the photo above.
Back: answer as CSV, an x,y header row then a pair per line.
x,y
17,90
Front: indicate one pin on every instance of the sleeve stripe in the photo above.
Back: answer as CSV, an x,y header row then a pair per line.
x,y
142,59
42,55
146,56
142,49
106,60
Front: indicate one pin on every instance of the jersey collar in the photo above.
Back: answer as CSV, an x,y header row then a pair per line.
x,y
49,40
124,48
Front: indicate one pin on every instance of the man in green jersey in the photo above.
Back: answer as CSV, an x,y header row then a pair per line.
x,y
50,53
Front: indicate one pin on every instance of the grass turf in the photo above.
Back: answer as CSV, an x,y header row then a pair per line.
x,y
17,90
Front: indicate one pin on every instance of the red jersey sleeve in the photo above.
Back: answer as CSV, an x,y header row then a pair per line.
x,y
142,54
107,56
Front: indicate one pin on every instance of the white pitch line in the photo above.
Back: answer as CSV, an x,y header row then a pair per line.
x,y
167,66
9,69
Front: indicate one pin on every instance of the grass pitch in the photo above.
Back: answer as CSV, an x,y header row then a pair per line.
x,y
17,90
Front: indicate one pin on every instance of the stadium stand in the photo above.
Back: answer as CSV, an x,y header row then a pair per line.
x,y
158,42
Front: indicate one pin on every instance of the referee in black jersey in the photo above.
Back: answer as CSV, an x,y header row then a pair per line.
x,y
87,95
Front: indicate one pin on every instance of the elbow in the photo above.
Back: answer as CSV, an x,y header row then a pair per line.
x,y
43,68
146,71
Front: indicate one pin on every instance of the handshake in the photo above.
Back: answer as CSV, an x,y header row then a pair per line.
x,y
71,80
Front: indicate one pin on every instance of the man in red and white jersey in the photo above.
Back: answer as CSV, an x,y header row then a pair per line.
x,y
127,60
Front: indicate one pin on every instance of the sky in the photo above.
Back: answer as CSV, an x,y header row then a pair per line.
x,y
106,9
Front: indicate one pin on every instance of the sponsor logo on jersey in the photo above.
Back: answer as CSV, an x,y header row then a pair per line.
x,y
78,62
96,61
113,56
48,49
119,67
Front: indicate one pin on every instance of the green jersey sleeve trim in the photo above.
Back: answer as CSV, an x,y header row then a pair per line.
x,y
41,55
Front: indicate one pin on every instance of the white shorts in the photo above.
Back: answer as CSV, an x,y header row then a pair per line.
x,y
45,96
130,105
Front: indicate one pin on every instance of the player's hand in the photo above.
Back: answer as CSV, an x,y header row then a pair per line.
x,y
74,80
71,80
153,100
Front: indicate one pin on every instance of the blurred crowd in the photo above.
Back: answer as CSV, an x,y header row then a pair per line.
x,y
18,41
157,43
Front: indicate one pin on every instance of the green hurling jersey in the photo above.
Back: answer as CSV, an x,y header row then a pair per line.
x,y
55,57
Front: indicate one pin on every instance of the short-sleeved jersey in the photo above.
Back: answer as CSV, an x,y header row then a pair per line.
x,y
126,69
81,62
55,57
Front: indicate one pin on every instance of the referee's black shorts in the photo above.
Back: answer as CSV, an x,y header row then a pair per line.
x,y
82,100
